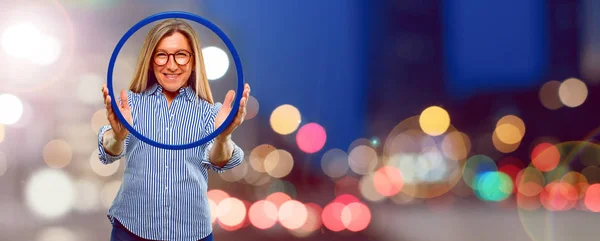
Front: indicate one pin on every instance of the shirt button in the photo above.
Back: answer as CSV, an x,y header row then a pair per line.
x,y
167,128
166,188
166,166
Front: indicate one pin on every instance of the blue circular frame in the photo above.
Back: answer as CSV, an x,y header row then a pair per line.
x,y
216,30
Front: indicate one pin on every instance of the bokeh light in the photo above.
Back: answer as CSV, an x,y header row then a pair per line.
x,y
17,40
359,142
263,214
572,92
313,221
334,163
592,197
47,50
545,157
456,145
388,181
558,196
252,108
502,146
577,181
278,198
258,155
98,120
50,193
279,163
548,95
11,109
434,120
217,195
2,133
332,216
477,165
530,181
367,188
237,173
493,186
363,159
356,216
231,211
216,62
57,153
510,129
311,138
292,214
104,170
285,119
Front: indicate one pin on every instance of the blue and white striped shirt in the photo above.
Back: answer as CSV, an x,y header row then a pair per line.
x,y
163,192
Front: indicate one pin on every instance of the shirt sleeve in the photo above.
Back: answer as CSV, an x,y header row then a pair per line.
x,y
105,157
237,155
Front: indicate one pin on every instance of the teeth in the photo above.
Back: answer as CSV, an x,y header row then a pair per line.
x,y
171,76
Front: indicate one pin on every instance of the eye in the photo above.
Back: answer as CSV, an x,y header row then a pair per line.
x,y
161,55
182,54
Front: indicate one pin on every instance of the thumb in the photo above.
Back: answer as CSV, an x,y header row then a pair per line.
x,y
124,100
229,98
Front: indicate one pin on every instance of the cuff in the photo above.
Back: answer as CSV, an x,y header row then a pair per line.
x,y
236,159
104,156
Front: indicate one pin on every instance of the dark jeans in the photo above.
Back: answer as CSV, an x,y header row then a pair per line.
x,y
120,233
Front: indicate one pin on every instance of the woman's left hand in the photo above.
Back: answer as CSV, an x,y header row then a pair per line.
x,y
226,110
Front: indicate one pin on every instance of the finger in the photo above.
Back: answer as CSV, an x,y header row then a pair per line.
x,y
240,115
124,100
107,102
246,92
109,112
104,92
229,98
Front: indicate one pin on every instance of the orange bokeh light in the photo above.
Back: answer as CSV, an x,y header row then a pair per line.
x,y
263,214
545,157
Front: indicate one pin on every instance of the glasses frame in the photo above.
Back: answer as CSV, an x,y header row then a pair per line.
x,y
174,59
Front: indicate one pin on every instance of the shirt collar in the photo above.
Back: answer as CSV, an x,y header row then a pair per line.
x,y
187,91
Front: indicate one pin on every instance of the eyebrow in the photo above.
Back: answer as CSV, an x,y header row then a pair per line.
x,y
177,50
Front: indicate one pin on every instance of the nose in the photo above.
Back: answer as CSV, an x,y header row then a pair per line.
x,y
171,64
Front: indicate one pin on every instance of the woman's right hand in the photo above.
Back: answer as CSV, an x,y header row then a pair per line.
x,y
120,132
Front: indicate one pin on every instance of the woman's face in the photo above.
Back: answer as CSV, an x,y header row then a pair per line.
x,y
172,62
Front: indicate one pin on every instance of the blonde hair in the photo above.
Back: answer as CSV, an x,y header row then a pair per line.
x,y
143,79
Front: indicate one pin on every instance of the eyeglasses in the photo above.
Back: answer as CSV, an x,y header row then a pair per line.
x,y
181,57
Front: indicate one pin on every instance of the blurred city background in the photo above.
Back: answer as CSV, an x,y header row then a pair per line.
x,y
386,120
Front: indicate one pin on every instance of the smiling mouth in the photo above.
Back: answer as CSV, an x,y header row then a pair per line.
x,y
171,76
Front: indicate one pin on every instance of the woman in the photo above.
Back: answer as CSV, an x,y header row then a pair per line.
x,y
163,192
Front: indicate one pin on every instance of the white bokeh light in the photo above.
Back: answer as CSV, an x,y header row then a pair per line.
x,y
11,109
17,40
216,62
47,51
50,193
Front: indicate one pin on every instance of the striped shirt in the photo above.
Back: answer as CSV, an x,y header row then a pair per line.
x,y
163,194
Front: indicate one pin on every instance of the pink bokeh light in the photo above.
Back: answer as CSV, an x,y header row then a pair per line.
x,y
311,138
